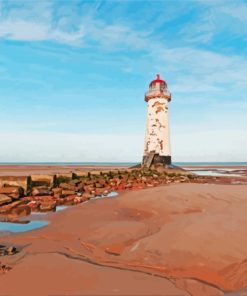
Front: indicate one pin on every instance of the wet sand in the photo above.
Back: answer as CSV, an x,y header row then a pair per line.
x,y
181,239
243,167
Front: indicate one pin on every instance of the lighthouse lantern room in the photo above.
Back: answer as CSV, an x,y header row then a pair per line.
x,y
157,138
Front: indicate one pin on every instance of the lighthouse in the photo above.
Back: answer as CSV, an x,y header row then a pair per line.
x,y
157,138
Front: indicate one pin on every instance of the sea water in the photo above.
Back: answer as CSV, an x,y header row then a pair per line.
x,y
214,173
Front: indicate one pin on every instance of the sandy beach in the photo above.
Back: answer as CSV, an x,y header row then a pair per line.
x,y
181,239
32,169
35,169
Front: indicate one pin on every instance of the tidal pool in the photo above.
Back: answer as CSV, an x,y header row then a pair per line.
x,y
109,195
36,224
20,227
60,208
112,194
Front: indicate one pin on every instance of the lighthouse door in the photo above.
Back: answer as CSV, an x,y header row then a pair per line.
x,y
149,159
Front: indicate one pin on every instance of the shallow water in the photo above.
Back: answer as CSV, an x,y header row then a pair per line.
x,y
214,173
18,227
60,208
112,194
109,195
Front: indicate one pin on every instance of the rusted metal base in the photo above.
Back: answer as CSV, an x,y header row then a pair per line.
x,y
158,159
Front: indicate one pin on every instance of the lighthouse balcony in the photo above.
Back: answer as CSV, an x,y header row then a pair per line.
x,y
151,94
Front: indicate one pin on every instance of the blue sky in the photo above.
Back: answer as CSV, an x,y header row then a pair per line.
x,y
73,76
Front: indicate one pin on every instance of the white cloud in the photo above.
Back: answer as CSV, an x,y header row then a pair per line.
x,y
116,36
197,70
22,30
39,23
193,70
215,20
238,11
32,31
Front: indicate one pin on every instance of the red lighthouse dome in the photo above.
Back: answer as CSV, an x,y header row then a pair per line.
x,y
158,80
157,88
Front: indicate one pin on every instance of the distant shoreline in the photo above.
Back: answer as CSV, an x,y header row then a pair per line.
x,y
72,163
116,164
31,169
26,169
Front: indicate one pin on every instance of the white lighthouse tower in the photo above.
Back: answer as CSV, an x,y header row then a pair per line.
x,y
157,139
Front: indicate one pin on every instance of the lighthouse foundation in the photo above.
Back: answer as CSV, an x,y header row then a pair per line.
x,y
151,159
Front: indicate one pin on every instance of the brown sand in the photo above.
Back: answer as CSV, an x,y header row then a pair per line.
x,y
32,169
29,169
183,239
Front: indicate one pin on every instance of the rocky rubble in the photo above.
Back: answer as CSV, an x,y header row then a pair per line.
x,y
77,189
4,268
6,251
